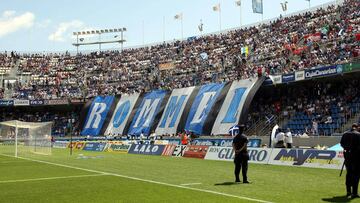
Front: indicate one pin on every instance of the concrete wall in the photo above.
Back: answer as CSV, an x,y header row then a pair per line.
x,y
307,142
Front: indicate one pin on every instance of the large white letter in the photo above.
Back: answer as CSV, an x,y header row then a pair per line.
x,y
147,112
95,113
205,100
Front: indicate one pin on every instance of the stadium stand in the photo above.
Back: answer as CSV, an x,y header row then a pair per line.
x,y
327,36
329,103
59,117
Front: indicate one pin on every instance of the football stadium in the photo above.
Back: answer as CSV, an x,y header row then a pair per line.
x,y
180,101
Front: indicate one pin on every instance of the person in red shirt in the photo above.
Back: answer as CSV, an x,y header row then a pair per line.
x,y
184,139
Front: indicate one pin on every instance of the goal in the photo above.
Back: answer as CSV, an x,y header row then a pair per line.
x,y
20,138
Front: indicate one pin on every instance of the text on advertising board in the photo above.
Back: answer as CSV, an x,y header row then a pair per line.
x,y
146,149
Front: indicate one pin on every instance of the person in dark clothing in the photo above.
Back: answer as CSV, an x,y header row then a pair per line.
x,y
350,141
241,154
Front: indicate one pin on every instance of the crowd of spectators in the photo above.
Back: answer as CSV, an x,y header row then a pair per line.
x,y
2,93
315,104
60,119
326,36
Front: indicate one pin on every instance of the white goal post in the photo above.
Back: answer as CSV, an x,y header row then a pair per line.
x,y
18,137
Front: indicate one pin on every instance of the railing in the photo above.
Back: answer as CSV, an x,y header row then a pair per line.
x,y
262,126
268,125
354,115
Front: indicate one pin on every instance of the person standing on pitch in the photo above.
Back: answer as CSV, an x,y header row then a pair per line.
x,y
241,154
350,141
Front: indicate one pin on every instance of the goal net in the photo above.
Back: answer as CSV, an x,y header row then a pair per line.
x,y
19,138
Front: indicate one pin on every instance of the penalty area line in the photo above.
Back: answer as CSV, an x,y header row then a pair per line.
x,y
49,178
145,180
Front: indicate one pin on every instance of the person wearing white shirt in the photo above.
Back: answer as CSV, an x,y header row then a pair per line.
x,y
152,137
288,139
142,138
279,139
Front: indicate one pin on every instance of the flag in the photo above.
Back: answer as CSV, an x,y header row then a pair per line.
x,y
216,7
257,6
200,26
204,56
325,29
235,130
245,50
357,37
178,16
284,6
238,3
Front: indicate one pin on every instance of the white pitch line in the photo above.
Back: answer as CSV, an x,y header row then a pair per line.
x,y
187,184
49,178
144,180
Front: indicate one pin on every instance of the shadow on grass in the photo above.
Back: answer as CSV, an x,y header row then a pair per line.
x,y
337,199
226,183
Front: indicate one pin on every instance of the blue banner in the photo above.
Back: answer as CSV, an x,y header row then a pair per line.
x,y
97,115
286,78
6,102
94,146
202,106
146,149
323,71
173,111
146,113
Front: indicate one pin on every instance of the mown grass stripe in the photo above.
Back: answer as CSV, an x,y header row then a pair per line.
x,y
144,180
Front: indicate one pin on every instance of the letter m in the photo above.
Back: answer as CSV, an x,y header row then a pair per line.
x,y
284,153
172,111
146,113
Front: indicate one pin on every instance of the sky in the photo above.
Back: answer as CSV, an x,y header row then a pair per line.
x,y
47,25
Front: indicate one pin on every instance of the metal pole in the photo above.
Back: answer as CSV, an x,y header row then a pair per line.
x,y
71,145
71,136
77,44
143,33
99,41
16,139
35,144
182,27
164,28
122,40
219,17
240,15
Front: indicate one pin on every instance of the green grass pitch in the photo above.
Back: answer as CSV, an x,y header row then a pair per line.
x,y
110,177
